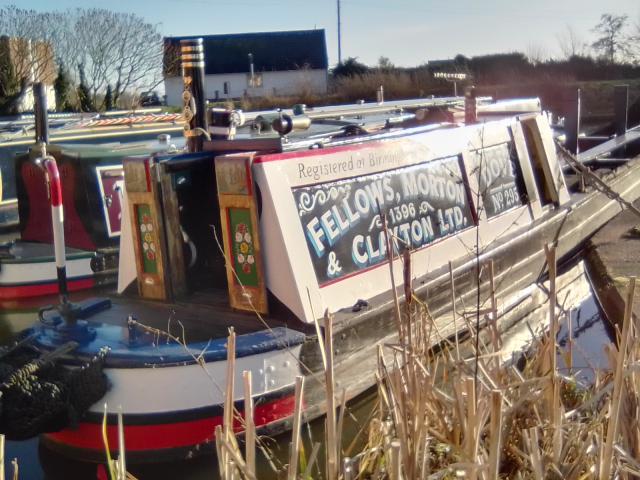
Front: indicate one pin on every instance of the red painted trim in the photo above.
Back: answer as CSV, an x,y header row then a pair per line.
x,y
276,157
147,172
53,177
247,167
141,438
36,227
9,292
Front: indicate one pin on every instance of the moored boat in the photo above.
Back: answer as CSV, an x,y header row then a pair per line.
x,y
91,179
266,233
129,128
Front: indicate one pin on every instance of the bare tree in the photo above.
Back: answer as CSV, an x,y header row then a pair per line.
x,y
611,42
117,49
536,53
571,44
26,46
634,43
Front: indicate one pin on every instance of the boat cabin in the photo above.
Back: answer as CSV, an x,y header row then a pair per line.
x,y
296,223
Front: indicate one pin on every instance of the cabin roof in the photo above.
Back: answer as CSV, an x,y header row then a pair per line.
x,y
272,51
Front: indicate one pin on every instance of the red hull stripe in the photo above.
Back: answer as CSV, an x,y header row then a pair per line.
x,y
141,438
9,292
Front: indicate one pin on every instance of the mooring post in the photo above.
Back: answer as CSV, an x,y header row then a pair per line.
x,y
195,102
470,106
620,114
571,111
620,108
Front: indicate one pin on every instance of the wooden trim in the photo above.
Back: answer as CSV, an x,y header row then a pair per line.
x,y
176,275
235,194
150,285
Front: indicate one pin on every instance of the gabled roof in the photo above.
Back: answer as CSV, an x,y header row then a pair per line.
x,y
272,51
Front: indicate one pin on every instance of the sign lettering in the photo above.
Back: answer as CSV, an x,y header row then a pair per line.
x,y
500,179
342,223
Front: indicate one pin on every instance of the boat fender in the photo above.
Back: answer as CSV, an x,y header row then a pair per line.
x,y
352,131
359,305
98,263
40,396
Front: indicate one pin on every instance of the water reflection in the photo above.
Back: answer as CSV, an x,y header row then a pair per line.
x,y
589,334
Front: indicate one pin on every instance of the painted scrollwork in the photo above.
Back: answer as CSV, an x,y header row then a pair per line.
x,y
307,200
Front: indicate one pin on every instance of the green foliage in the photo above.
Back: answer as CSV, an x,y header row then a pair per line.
x,y
9,81
385,65
62,87
350,68
84,94
611,42
108,102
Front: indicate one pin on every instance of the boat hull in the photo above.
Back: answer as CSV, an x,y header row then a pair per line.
x,y
175,436
519,262
28,270
175,431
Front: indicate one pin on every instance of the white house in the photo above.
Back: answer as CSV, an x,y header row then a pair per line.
x,y
254,64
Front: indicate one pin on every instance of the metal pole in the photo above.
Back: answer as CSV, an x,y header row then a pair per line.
x,y
195,102
470,106
620,106
40,109
48,163
571,106
339,36
620,115
251,70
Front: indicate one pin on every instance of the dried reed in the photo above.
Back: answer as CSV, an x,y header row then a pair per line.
x,y
510,422
436,419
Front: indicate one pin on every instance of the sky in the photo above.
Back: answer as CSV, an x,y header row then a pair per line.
x,y
408,32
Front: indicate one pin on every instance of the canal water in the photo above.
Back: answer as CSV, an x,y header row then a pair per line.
x,y
590,333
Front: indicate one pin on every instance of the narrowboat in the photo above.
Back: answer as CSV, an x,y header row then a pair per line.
x,y
275,231
16,137
91,180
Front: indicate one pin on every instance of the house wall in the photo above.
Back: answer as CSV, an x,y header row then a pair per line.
x,y
273,83
31,61
27,101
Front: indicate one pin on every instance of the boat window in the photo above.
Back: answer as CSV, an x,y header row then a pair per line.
x,y
500,179
538,162
341,219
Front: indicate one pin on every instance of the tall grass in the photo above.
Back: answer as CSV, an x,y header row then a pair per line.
x,y
466,415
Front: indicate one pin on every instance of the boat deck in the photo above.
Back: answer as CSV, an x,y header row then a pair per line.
x,y
32,252
199,317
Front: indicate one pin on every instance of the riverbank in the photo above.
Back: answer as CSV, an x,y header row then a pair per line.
x,y
613,256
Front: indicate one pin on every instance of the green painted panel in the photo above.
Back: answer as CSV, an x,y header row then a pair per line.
x,y
148,242
242,241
